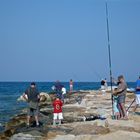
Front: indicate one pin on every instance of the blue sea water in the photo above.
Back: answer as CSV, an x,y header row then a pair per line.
x,y
10,91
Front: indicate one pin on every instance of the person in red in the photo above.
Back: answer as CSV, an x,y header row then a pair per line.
x,y
57,114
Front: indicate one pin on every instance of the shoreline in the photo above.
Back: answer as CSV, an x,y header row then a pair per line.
x,y
93,103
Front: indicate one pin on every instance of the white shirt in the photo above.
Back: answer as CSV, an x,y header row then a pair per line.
x,y
63,90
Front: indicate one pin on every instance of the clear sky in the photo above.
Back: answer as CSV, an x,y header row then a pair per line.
x,y
46,40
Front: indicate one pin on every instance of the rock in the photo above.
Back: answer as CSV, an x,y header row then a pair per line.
x,y
10,132
131,95
92,105
3,137
44,98
130,125
66,137
22,136
16,121
120,135
85,129
53,134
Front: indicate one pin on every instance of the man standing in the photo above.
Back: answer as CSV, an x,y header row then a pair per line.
x,y
32,97
121,93
137,94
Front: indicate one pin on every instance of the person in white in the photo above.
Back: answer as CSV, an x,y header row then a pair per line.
x,y
64,91
106,85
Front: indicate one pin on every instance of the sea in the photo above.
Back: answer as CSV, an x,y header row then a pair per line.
x,y
10,91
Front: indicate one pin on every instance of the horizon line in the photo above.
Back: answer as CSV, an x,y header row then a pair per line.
x,y
56,80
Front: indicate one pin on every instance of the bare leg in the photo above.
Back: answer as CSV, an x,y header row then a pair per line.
x,y
71,89
124,110
54,122
36,119
28,120
103,92
59,122
120,110
136,106
118,116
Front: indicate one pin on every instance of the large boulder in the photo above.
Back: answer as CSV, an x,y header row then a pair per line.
x,y
44,98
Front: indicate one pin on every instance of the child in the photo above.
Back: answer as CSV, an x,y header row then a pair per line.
x,y
57,114
115,107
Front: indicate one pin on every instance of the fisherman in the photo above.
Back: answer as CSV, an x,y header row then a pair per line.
x,y
32,96
137,95
121,93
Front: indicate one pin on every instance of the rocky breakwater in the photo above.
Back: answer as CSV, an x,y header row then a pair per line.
x,y
84,119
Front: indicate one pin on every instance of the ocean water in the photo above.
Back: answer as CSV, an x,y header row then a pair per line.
x,y
10,91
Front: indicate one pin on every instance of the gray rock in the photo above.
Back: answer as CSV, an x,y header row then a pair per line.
x,y
22,136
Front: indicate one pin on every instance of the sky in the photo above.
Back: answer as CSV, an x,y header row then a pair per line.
x,y
48,40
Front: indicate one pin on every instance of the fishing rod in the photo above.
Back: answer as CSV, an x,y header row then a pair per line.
x,y
109,55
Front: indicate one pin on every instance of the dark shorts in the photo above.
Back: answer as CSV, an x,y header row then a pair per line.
x,y
121,99
33,109
32,112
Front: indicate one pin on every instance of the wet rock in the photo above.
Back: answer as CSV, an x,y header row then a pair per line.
x,y
3,137
9,132
16,121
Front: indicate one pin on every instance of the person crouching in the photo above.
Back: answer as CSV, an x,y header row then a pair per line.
x,y
57,113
